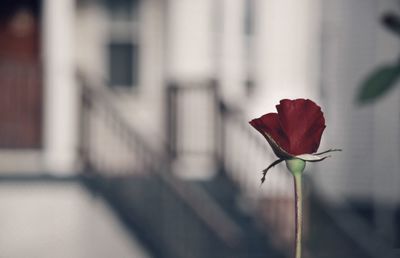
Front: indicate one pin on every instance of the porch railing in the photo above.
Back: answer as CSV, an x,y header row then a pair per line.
x,y
111,148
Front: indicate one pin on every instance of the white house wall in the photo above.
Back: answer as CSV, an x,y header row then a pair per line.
x,y
354,44
386,119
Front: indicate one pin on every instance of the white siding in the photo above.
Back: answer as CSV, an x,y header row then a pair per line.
x,y
354,43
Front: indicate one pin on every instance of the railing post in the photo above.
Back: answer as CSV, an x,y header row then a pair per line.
x,y
171,120
219,128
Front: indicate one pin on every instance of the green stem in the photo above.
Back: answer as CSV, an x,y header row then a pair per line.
x,y
296,167
299,212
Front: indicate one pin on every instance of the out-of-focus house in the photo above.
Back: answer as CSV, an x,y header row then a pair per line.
x,y
133,49
257,52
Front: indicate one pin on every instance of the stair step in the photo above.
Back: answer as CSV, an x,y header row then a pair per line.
x,y
172,229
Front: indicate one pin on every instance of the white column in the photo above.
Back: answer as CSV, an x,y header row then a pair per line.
x,y
60,120
232,50
286,51
190,40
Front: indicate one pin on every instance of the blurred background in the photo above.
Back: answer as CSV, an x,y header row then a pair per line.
x,y
124,128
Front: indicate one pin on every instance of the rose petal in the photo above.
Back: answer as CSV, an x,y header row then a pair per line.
x,y
303,123
268,125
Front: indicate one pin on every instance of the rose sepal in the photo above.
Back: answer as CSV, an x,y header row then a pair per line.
x,y
316,157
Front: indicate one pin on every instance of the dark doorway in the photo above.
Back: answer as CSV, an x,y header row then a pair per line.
x,y
20,75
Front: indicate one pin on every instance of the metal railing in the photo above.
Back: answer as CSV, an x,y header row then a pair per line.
x,y
111,148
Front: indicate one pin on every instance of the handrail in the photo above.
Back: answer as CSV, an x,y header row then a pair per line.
x,y
214,217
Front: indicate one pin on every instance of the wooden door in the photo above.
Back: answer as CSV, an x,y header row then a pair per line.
x,y
20,75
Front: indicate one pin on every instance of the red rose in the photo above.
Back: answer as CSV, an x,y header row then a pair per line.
x,y
294,132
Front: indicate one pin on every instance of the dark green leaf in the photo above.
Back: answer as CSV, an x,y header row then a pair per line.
x,y
391,21
378,83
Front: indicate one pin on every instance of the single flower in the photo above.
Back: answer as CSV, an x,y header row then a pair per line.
x,y
294,132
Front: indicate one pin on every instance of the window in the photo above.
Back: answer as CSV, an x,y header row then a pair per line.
x,y
123,47
123,64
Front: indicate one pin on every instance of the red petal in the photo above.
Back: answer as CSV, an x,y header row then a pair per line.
x,y
303,123
269,126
